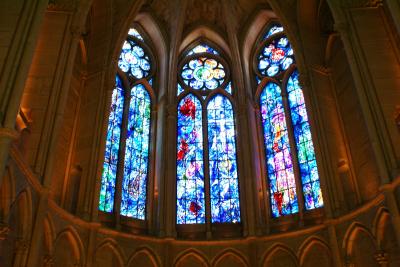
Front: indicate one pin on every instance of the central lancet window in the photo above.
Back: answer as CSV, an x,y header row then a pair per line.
x,y
126,160
207,175
291,164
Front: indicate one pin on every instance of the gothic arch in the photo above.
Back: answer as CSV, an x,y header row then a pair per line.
x,y
382,217
352,231
274,251
148,255
204,33
111,245
230,252
49,234
185,256
72,237
311,243
360,245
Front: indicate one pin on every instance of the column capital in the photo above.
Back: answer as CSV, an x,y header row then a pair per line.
x,y
381,257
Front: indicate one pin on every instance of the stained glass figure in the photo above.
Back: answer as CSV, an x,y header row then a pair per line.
x,y
202,48
274,29
224,185
134,60
275,57
279,163
304,144
190,165
136,162
107,189
203,73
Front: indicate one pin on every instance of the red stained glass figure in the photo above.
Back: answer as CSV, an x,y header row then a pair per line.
x,y
278,197
188,108
183,149
277,54
194,208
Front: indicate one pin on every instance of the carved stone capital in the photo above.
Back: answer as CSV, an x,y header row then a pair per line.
x,y
48,261
381,257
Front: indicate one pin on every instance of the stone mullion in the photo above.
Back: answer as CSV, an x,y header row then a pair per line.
x,y
151,193
206,174
121,157
293,153
15,73
374,120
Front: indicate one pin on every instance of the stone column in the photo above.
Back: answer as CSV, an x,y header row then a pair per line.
x,y
20,253
379,138
394,8
393,208
16,69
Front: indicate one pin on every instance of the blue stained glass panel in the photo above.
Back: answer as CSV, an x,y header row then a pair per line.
x,y
134,32
108,178
304,144
203,73
190,164
275,57
281,178
134,60
224,185
273,30
134,183
202,48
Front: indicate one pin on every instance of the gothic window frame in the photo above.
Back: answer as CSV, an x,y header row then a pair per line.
x,y
281,79
129,82
194,230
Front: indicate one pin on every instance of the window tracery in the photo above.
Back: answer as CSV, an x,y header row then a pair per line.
x,y
126,161
206,145
289,151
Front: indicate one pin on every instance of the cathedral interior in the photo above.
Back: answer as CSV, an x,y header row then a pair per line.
x,y
200,133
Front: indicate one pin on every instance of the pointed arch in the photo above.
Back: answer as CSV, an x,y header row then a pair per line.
x,y
191,256
231,255
72,237
111,245
127,159
204,33
49,234
281,254
314,242
351,233
144,254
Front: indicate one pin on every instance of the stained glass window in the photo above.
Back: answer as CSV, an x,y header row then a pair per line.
x,y
190,172
224,188
275,58
206,73
131,131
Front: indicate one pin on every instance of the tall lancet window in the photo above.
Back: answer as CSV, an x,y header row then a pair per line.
x,y
207,176
289,151
126,160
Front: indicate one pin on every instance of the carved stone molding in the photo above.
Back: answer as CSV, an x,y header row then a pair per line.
x,y
382,258
48,261
362,3
9,133
61,5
